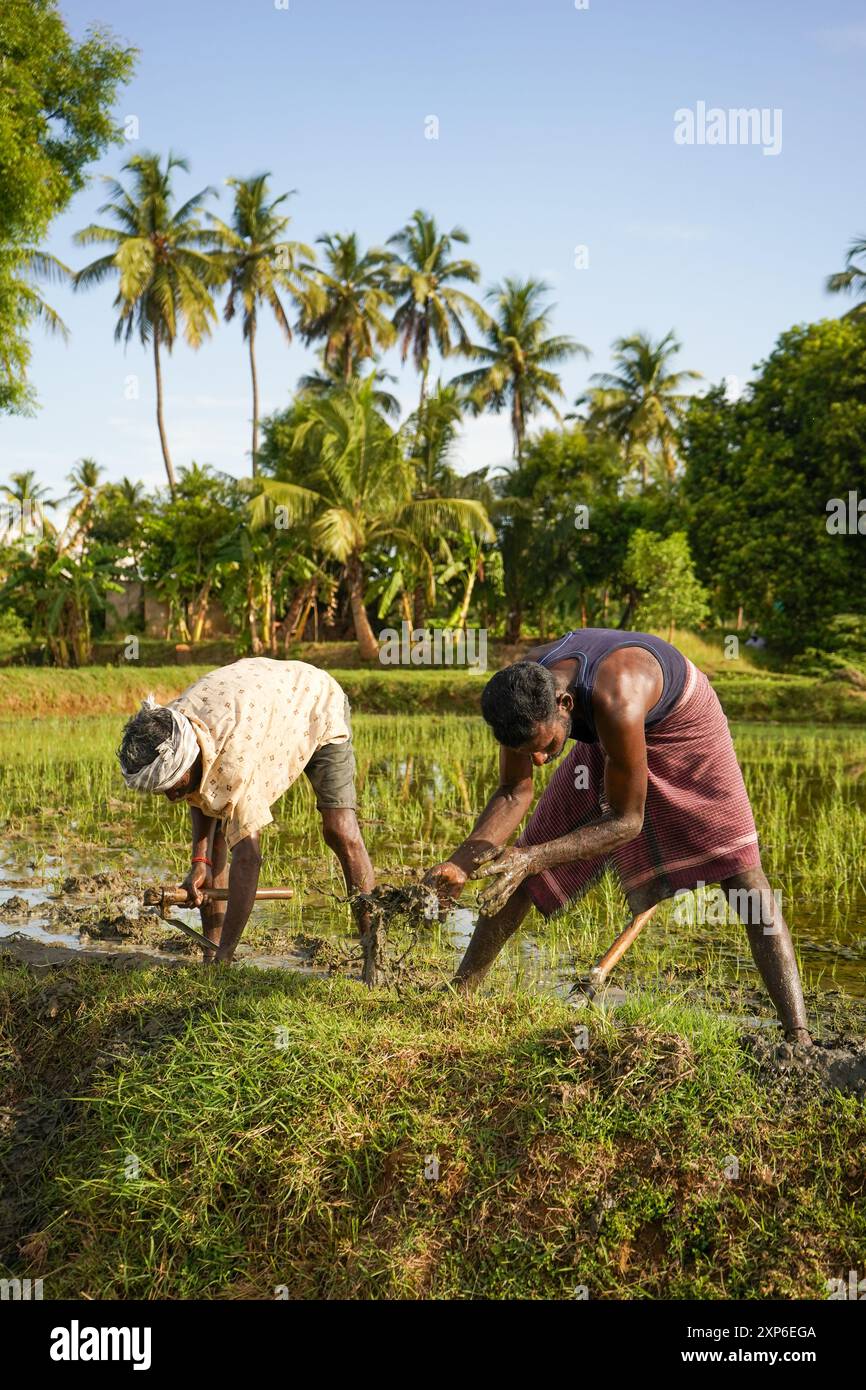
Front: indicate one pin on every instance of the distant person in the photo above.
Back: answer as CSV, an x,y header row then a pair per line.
x,y
651,786
756,641
229,747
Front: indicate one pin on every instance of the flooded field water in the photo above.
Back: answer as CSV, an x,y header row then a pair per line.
x,y
66,817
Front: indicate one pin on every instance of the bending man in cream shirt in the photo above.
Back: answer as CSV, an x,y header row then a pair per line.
x,y
230,746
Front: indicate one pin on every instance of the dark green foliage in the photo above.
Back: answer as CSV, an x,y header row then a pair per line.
x,y
760,473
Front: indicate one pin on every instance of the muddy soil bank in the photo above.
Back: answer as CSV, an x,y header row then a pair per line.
x,y
106,909
836,1063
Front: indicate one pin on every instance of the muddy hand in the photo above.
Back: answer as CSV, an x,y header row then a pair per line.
x,y
198,877
508,867
446,880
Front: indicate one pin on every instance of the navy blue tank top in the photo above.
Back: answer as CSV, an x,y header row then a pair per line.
x,y
588,646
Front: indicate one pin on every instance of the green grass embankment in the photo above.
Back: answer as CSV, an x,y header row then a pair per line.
x,y
745,695
181,1134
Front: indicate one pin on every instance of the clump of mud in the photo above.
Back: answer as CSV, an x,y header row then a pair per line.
x,y
317,953
16,906
122,922
411,905
414,903
86,885
836,1063
321,954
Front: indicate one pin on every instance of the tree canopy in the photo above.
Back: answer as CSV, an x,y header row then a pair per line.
x,y
56,96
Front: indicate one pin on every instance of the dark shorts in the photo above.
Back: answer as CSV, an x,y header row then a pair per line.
x,y
331,773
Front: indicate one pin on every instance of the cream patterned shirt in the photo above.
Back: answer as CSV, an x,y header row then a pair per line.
x,y
258,723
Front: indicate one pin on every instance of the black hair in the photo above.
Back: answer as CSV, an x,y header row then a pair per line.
x,y
142,735
516,700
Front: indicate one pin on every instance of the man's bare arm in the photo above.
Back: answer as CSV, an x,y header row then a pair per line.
x,y
199,875
202,828
497,822
505,809
243,882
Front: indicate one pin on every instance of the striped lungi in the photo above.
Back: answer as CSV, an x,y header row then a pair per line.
x,y
698,825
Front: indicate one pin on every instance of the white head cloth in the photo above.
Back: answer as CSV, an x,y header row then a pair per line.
x,y
174,756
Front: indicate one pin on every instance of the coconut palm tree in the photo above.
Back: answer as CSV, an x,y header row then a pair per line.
x,y
129,492
430,309
329,378
344,472
166,274
852,279
518,357
431,434
261,264
346,302
84,480
30,500
641,402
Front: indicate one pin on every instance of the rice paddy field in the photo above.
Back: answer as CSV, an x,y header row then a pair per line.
x,y
171,1132
66,813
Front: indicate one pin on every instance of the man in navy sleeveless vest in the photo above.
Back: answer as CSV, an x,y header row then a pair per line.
x,y
651,786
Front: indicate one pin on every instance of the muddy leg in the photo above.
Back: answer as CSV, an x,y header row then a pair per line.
x,y
490,935
343,835
212,913
750,896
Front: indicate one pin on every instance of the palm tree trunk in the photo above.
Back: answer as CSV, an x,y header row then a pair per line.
x,y
267,607
517,425
367,644
514,623
290,622
252,623
467,593
419,604
169,467
200,610
255,392
425,369
311,605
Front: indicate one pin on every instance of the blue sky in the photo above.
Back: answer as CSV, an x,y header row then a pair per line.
x,y
556,129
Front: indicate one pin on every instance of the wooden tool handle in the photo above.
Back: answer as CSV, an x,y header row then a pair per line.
x,y
171,896
625,939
